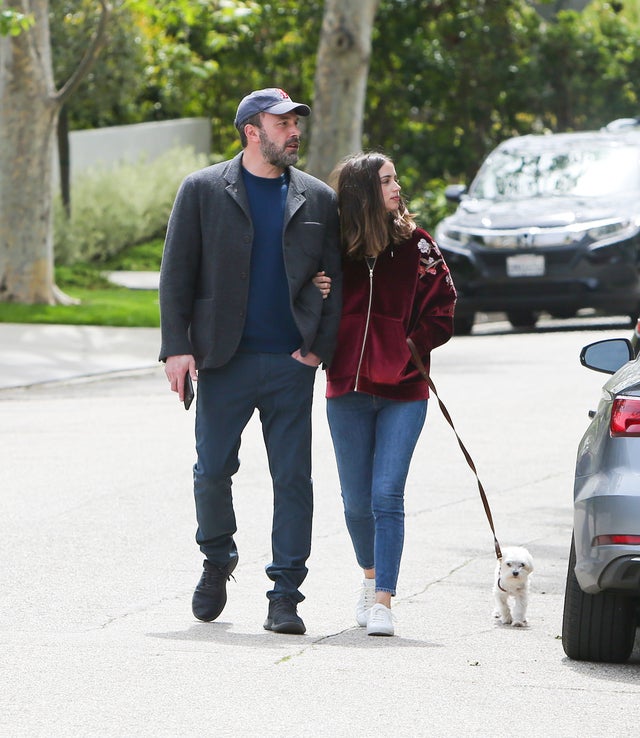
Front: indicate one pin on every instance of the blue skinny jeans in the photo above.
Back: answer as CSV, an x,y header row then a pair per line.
x,y
374,439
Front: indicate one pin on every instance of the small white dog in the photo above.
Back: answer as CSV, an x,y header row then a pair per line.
x,y
511,587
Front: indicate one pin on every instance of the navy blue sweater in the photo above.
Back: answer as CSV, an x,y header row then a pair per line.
x,y
269,326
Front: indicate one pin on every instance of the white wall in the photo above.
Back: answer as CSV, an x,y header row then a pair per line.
x,y
105,147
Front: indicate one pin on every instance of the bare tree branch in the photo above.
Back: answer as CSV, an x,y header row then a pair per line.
x,y
91,54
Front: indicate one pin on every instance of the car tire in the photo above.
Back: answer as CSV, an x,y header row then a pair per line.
x,y
522,318
598,627
463,326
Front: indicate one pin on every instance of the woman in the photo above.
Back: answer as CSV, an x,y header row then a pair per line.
x,y
396,287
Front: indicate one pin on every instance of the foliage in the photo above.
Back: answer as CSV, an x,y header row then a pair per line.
x,y
120,207
82,276
178,58
13,23
142,257
109,93
429,205
589,64
203,56
448,79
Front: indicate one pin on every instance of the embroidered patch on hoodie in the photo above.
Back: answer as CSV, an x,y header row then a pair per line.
x,y
430,258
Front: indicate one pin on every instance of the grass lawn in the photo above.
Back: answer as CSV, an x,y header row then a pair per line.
x,y
111,306
101,303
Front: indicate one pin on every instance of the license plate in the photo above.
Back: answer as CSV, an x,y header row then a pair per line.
x,y
525,265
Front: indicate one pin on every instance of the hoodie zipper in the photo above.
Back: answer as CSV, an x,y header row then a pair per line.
x,y
371,262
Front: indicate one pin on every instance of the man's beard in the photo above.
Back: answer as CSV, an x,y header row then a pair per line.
x,y
280,158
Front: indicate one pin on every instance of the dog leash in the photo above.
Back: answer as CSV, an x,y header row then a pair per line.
x,y
421,368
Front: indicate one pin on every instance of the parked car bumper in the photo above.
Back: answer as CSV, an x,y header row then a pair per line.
x,y
606,279
606,567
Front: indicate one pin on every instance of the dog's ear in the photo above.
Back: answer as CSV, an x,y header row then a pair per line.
x,y
528,565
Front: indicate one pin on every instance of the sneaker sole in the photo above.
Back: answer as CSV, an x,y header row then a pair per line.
x,y
206,618
379,633
289,628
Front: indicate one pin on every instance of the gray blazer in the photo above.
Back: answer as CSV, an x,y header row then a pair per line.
x,y
204,277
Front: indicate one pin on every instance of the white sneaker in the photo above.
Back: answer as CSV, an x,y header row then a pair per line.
x,y
366,601
380,621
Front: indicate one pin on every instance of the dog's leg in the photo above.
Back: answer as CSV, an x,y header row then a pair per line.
x,y
520,609
502,607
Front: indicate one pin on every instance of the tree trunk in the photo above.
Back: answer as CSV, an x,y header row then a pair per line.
x,y
340,83
28,118
29,109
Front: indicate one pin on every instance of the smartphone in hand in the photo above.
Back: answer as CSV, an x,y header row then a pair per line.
x,y
189,394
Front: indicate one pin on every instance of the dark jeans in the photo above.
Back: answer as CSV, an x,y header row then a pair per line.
x,y
281,389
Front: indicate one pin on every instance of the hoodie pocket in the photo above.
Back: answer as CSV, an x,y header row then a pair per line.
x,y
386,352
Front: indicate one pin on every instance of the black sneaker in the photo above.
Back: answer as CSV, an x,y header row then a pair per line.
x,y
210,595
283,617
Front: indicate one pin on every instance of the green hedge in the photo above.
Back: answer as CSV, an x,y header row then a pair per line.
x,y
116,208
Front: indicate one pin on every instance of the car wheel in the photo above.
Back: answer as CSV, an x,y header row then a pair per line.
x,y
522,318
463,326
597,627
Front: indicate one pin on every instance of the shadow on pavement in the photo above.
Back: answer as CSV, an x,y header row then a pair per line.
x,y
219,633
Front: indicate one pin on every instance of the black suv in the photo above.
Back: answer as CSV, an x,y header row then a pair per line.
x,y
550,223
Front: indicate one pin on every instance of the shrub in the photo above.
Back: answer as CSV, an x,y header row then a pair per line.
x,y
115,208
431,206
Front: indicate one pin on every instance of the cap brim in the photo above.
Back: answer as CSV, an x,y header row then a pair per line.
x,y
287,107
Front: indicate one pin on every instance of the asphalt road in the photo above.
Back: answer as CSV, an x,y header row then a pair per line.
x,y
98,563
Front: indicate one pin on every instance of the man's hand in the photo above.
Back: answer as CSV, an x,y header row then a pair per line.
x,y
310,359
176,368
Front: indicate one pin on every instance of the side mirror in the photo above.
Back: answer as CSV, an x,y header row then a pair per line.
x,y
454,192
607,356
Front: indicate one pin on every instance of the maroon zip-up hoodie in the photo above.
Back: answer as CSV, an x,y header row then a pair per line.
x,y
407,293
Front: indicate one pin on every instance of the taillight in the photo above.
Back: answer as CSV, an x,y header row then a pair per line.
x,y
620,540
625,417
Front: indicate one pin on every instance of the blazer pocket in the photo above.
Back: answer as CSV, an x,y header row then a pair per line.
x,y
312,238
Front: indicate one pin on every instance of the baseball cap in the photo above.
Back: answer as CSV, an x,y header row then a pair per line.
x,y
270,100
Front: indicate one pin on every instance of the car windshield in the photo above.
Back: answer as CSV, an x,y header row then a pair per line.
x,y
582,172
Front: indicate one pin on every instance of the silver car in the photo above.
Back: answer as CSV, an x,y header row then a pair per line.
x,y
602,592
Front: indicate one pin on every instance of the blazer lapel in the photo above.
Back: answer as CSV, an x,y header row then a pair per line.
x,y
235,187
295,197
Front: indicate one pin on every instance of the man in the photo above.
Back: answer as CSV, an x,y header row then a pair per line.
x,y
237,305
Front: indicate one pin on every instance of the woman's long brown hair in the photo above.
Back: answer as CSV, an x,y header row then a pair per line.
x,y
367,228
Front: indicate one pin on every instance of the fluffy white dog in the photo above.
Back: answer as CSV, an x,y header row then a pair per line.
x,y
511,587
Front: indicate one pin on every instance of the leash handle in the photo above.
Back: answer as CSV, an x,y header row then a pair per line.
x,y
485,502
